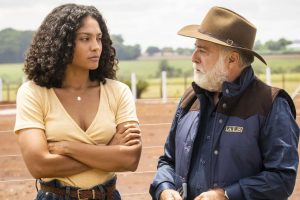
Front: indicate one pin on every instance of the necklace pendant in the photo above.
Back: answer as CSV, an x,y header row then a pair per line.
x,y
78,98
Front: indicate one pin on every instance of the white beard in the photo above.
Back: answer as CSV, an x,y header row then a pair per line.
x,y
213,79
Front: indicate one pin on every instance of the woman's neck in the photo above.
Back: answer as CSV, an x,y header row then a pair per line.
x,y
77,79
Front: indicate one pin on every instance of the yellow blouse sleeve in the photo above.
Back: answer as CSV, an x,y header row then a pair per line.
x,y
29,107
126,110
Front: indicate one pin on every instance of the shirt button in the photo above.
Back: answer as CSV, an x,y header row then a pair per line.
x,y
220,121
202,162
187,148
216,152
215,184
208,137
227,91
224,105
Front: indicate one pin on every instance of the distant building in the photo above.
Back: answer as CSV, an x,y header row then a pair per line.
x,y
295,46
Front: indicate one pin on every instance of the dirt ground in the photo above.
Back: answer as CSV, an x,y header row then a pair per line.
x,y
155,119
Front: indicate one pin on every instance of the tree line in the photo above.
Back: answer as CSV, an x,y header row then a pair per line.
x,y
153,50
270,46
14,44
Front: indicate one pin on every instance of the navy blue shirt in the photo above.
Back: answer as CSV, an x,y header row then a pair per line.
x,y
200,163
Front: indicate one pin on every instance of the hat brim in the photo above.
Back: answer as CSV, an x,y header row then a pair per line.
x,y
192,31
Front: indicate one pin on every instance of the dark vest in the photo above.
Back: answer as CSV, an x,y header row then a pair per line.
x,y
256,99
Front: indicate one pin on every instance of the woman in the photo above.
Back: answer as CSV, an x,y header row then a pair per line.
x,y
76,125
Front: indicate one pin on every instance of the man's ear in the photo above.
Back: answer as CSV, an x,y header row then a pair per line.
x,y
234,57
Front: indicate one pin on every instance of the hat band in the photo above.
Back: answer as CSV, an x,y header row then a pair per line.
x,y
230,42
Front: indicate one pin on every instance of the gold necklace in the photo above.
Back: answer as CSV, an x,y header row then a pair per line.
x,y
78,98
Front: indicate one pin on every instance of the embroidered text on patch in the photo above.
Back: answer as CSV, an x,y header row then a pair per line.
x,y
234,129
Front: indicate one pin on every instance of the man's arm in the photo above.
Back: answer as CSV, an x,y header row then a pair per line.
x,y
164,178
279,143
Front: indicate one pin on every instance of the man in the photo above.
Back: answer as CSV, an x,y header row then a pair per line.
x,y
233,137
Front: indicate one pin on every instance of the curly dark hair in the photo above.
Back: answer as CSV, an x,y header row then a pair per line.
x,y
53,45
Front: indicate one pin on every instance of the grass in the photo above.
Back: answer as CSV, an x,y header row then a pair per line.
x,y
11,72
176,86
147,70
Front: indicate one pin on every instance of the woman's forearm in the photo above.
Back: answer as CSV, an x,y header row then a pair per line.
x,y
122,153
107,158
53,165
41,163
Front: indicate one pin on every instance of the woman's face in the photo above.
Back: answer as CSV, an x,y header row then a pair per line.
x,y
88,45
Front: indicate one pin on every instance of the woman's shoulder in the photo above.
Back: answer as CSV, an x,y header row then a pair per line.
x,y
31,87
115,85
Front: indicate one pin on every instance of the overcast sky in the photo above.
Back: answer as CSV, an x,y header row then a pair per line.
x,y
156,22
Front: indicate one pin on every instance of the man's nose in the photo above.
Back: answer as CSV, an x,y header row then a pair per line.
x,y
195,55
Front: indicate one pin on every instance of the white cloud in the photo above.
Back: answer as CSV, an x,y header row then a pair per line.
x,y
155,22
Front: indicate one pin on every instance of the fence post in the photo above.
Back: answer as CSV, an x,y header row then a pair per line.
x,y
268,76
133,86
1,88
8,92
164,86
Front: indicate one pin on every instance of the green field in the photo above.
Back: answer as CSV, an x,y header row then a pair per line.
x,y
148,68
12,75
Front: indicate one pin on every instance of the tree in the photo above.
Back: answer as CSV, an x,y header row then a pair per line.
x,y
163,65
258,45
117,39
171,71
184,51
167,50
125,52
152,50
13,45
277,45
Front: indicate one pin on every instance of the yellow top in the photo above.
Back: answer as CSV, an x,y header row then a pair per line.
x,y
39,107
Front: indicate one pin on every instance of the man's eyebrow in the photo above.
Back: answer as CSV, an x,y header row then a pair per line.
x,y
199,46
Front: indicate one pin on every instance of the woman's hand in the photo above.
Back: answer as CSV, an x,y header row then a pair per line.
x,y
60,148
128,135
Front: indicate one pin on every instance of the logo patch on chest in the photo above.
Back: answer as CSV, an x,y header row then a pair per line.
x,y
234,129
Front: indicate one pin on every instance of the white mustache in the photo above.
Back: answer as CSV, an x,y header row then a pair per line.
x,y
198,68
194,65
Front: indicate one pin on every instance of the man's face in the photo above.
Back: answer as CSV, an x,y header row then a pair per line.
x,y
209,66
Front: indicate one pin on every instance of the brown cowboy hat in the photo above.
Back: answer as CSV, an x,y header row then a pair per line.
x,y
225,27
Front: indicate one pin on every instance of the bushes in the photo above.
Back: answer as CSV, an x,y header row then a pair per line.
x,y
141,87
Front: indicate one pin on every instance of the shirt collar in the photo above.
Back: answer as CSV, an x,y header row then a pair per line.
x,y
239,84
